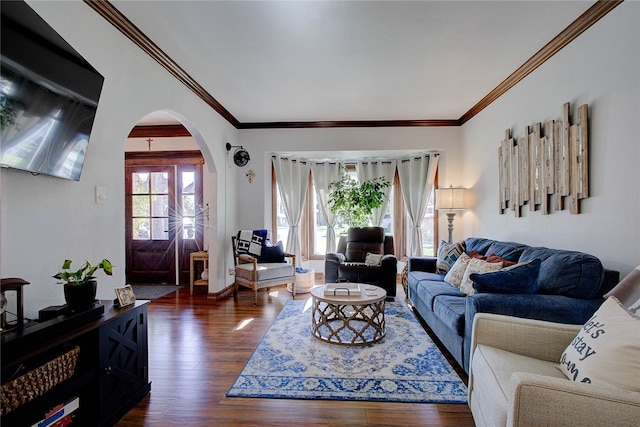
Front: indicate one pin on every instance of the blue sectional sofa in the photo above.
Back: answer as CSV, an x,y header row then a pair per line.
x,y
569,289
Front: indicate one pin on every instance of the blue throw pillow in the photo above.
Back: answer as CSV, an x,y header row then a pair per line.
x,y
272,253
518,279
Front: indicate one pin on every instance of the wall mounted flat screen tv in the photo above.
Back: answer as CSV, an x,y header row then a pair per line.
x,y
48,97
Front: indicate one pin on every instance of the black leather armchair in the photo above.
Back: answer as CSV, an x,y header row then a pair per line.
x,y
348,263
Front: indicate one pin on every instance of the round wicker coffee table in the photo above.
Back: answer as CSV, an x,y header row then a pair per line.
x,y
348,319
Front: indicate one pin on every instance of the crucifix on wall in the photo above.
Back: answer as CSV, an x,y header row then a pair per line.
x,y
149,141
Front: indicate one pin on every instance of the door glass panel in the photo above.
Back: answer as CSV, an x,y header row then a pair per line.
x,y
159,182
140,205
160,229
140,183
189,205
188,180
141,228
188,228
159,205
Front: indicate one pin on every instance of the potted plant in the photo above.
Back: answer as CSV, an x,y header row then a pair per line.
x,y
354,202
80,285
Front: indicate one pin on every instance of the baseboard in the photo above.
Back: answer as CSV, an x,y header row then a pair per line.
x,y
224,293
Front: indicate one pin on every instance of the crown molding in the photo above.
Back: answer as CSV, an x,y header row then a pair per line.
x,y
599,9
133,33
349,124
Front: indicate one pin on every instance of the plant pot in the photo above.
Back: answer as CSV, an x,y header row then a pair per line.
x,y
80,296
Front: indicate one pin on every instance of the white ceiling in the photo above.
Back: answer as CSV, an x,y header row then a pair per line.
x,y
267,61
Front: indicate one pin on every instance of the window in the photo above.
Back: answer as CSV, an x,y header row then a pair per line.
x,y
314,228
150,202
428,226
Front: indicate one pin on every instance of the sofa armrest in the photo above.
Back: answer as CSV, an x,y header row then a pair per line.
x,y
540,400
388,261
332,262
426,264
533,338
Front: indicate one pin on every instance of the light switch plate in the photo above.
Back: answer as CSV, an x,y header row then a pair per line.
x,y
101,194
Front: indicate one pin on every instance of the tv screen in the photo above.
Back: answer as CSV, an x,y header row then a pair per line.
x,y
48,97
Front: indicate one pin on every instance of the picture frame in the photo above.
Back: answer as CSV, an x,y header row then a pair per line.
x,y
125,295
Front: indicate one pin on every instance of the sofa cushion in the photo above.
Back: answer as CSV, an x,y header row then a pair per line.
x,y
606,351
569,273
476,266
493,368
419,276
361,240
478,244
267,271
517,279
357,251
429,290
507,250
450,310
448,254
456,273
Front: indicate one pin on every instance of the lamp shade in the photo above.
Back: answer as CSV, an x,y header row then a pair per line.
x,y
452,198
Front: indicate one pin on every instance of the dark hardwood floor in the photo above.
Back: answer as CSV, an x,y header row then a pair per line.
x,y
197,348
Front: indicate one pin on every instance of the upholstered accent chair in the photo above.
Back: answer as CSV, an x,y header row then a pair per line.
x,y
364,255
514,380
272,267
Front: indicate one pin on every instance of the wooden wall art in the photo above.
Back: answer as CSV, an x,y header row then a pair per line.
x,y
546,165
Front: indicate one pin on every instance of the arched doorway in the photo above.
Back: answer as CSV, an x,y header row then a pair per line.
x,y
165,207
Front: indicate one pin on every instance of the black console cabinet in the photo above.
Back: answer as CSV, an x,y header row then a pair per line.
x,y
111,374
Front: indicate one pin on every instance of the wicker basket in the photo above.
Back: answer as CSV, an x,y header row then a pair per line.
x,y
38,381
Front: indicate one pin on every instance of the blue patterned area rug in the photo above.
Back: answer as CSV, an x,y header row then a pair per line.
x,y
405,366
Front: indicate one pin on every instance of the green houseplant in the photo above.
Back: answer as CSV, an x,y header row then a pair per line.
x,y
353,201
80,285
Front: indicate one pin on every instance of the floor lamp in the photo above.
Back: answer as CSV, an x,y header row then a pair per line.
x,y
451,199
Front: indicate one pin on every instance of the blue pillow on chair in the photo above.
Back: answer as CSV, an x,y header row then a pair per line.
x,y
517,279
271,253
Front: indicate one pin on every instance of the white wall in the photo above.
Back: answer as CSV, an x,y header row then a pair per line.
x,y
45,220
602,69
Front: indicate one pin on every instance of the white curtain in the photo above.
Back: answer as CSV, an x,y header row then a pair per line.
x,y
292,176
371,169
417,174
324,173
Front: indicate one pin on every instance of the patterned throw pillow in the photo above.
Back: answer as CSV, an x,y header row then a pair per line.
x,y
448,253
456,272
250,242
606,351
476,266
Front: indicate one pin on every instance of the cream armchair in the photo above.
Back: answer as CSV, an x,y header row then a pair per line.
x,y
253,273
513,380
